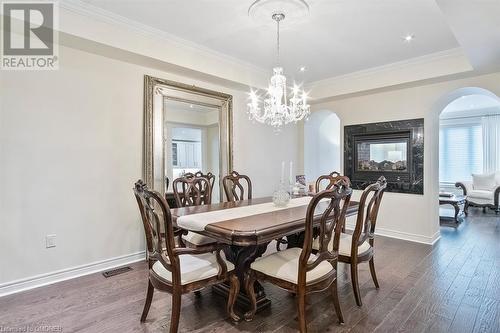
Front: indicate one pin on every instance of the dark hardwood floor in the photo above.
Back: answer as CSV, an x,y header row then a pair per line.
x,y
452,287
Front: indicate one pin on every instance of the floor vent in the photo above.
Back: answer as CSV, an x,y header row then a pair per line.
x,y
116,271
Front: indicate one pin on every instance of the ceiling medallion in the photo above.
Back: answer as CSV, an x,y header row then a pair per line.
x,y
296,11
275,108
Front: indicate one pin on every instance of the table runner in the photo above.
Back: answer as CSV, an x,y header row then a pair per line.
x,y
197,222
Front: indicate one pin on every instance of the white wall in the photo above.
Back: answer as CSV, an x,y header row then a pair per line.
x,y
71,149
321,144
413,217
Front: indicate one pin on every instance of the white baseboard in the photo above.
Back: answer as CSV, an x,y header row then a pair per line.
x,y
68,273
403,235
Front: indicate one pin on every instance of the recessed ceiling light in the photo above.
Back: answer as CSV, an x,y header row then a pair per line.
x,y
191,106
408,38
302,69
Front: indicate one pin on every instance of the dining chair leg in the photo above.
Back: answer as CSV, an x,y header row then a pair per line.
x,y
233,294
355,284
336,302
249,288
149,298
176,311
372,272
301,309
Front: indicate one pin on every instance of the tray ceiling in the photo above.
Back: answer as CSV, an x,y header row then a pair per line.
x,y
338,38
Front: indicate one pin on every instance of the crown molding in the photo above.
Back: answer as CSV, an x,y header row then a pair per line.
x,y
429,66
94,13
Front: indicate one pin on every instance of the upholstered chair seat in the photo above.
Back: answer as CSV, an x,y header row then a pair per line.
x,y
193,268
192,238
284,265
345,245
482,196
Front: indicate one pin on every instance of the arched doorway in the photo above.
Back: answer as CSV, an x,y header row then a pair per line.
x,y
321,144
469,138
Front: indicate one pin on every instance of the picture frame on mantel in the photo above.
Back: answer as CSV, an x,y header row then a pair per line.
x,y
393,149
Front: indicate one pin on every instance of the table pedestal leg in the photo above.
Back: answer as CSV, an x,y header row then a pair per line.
x,y
242,257
457,211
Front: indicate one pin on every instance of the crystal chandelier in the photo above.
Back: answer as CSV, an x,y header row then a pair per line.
x,y
276,109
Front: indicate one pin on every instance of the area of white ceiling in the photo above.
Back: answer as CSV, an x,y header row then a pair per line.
x,y
469,103
188,107
476,25
340,36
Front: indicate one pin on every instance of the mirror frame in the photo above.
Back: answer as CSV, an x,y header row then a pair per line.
x,y
225,127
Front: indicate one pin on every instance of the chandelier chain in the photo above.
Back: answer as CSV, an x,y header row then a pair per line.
x,y
278,42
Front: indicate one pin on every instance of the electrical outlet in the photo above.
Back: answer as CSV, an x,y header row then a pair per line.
x,y
50,241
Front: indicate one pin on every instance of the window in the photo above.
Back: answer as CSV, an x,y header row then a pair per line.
x,y
460,149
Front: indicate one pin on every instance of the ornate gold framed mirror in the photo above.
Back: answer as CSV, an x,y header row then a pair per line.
x,y
187,129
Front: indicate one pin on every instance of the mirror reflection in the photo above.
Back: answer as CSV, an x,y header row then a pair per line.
x,y
191,136
187,134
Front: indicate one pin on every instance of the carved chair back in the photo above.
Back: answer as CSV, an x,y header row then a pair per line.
x,y
330,180
190,190
367,214
234,186
209,176
156,217
334,202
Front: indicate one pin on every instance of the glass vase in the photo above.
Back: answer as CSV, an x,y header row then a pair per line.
x,y
281,197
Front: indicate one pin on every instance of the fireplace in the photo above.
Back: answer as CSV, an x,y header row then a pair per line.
x,y
390,149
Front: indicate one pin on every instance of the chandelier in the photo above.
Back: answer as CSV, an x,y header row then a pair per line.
x,y
276,109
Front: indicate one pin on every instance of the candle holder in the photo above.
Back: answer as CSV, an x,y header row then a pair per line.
x,y
281,197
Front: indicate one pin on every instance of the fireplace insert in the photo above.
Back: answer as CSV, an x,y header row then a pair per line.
x,y
390,149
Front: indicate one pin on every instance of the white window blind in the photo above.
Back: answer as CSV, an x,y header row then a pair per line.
x,y
460,149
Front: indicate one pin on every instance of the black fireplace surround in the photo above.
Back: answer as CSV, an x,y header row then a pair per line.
x,y
393,149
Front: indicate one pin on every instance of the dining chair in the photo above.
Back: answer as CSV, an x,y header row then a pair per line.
x,y
178,270
234,186
299,271
210,177
358,247
190,190
325,182
331,180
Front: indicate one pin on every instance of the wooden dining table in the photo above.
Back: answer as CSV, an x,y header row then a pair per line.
x,y
246,238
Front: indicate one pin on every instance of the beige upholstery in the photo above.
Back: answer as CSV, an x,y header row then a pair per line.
x,y
284,265
344,245
481,194
193,268
481,190
197,239
484,182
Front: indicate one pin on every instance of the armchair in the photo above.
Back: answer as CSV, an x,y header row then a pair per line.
x,y
178,270
482,196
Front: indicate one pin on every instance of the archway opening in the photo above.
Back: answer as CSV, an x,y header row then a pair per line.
x,y
469,149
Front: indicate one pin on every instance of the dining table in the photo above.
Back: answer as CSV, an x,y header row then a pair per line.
x,y
246,227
